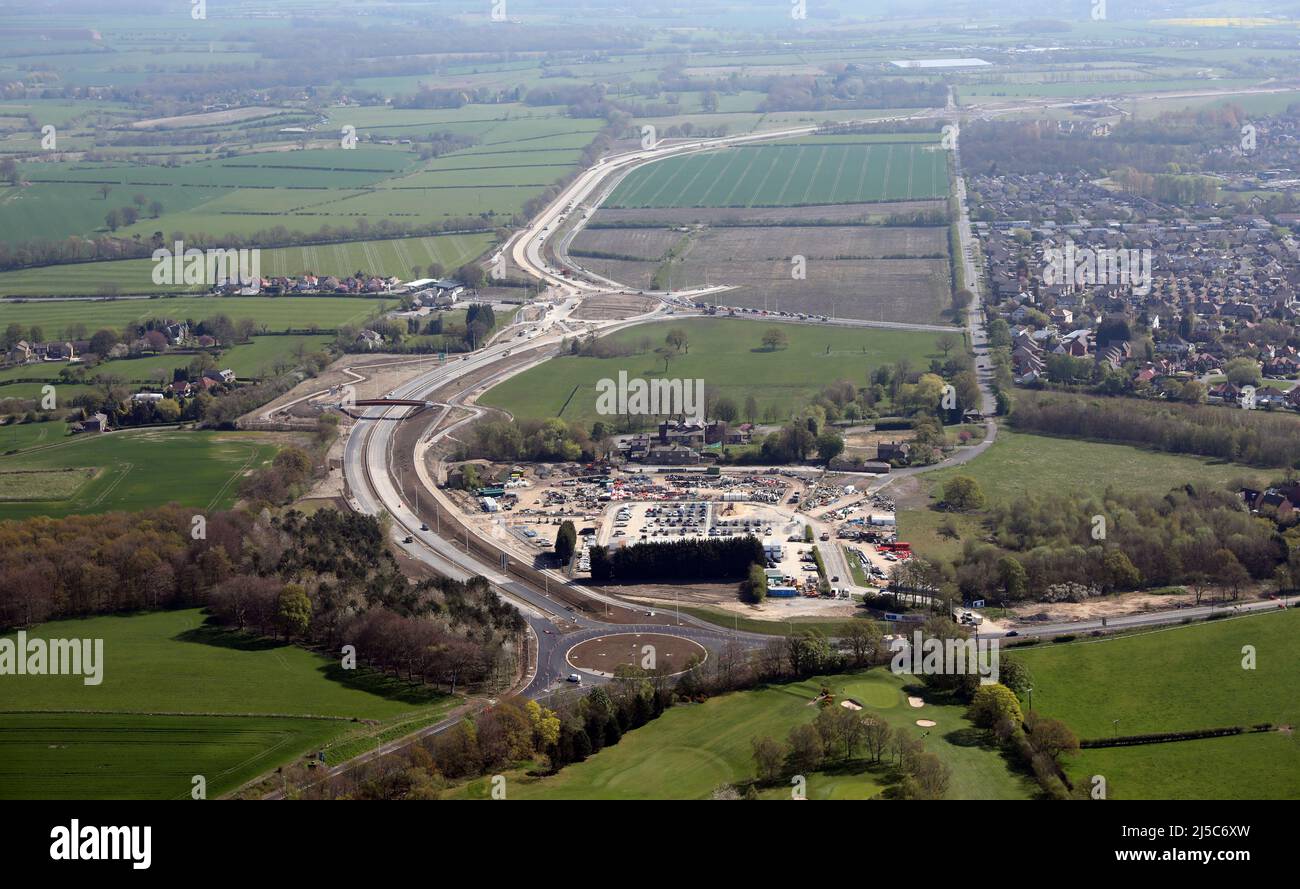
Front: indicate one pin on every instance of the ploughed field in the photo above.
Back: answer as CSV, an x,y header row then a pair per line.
x,y
866,272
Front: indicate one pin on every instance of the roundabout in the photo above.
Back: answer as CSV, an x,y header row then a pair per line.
x,y
603,655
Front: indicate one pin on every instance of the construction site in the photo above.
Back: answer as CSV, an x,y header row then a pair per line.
x,y
827,543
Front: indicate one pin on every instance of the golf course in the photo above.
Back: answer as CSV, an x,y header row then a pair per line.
x,y
704,746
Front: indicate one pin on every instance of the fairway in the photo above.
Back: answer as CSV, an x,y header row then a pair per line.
x,y
789,176
694,748
727,354
131,470
180,698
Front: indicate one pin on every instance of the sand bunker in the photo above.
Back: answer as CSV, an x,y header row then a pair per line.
x,y
850,704
926,723
916,702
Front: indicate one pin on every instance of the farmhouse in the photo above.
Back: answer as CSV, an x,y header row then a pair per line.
x,y
220,376
20,353
23,352
893,452
368,339
94,423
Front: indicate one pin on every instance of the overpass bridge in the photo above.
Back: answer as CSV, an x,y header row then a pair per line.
x,y
416,405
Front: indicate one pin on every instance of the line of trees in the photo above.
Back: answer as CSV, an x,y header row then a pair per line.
x,y
850,89
508,441
1257,438
688,560
1063,547
835,738
566,541
510,732
54,251
325,580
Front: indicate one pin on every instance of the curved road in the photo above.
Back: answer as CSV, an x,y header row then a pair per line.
x,y
369,458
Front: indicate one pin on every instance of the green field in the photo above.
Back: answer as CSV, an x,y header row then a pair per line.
x,y
295,181
61,199
1180,678
727,354
133,469
179,699
398,256
1244,767
1019,463
1185,677
277,313
789,175
694,748
254,359
985,93
21,436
